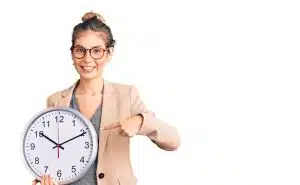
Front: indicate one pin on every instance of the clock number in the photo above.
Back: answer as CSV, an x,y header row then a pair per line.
x,y
82,159
46,168
44,123
73,169
59,173
59,119
32,146
87,145
40,133
36,160
73,123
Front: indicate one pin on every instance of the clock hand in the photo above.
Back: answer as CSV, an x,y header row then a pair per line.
x,y
42,134
58,141
82,134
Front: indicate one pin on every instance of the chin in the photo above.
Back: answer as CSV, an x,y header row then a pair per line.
x,y
88,76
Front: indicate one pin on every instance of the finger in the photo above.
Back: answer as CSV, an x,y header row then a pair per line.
x,y
119,131
124,134
43,180
111,126
50,181
54,182
46,180
35,181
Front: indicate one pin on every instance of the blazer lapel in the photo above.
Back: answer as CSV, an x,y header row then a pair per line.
x,y
109,115
66,96
110,111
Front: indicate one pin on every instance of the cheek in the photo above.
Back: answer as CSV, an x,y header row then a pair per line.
x,y
75,60
100,64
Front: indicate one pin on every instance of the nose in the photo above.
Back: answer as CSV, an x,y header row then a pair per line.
x,y
88,58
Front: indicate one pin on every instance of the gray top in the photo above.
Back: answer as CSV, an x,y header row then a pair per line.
x,y
90,177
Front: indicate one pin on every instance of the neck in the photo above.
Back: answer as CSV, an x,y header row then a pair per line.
x,y
90,86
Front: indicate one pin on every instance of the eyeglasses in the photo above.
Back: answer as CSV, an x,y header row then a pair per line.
x,y
95,52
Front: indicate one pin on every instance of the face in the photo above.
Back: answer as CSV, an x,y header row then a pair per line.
x,y
90,63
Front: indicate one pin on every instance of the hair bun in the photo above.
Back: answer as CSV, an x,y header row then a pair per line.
x,y
91,15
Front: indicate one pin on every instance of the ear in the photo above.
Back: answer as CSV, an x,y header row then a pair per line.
x,y
110,54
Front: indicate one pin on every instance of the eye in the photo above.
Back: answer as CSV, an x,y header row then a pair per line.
x,y
96,50
79,50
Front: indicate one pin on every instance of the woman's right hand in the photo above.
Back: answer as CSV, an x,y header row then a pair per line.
x,y
46,180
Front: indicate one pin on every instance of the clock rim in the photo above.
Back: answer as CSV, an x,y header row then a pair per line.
x,y
86,122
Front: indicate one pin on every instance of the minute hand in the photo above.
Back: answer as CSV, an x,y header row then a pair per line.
x,y
52,141
82,134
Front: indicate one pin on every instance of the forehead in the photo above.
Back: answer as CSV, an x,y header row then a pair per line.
x,y
89,39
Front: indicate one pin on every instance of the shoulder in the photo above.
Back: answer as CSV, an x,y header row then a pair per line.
x,y
61,93
55,96
52,98
121,88
124,89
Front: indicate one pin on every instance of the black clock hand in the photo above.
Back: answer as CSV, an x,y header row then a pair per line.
x,y
82,134
42,134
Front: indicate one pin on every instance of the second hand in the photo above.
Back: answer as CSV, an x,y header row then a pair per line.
x,y
58,140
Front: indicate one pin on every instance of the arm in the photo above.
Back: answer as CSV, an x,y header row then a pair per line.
x,y
48,102
162,134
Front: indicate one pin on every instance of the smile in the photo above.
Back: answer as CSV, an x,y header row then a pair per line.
x,y
87,68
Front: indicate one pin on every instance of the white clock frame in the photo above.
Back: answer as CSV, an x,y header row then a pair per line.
x,y
84,120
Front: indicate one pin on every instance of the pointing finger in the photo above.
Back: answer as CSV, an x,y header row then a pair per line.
x,y
111,126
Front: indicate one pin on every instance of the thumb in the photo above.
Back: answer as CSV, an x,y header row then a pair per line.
x,y
111,126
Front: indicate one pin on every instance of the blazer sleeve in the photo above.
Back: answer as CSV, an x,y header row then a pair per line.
x,y
48,102
162,134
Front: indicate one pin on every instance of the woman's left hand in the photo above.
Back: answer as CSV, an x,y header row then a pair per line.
x,y
128,127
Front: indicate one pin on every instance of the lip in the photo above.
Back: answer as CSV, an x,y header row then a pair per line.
x,y
87,68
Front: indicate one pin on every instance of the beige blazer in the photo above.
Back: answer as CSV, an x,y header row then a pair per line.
x,y
120,102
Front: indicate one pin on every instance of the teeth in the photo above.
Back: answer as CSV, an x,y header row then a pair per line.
x,y
87,69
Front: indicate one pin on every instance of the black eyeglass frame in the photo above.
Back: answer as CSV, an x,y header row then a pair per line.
x,y
72,47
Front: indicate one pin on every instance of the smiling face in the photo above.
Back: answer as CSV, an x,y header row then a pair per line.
x,y
90,54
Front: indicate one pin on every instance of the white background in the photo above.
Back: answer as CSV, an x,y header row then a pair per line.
x,y
225,73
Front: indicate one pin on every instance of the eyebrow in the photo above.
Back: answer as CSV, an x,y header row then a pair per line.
x,y
77,45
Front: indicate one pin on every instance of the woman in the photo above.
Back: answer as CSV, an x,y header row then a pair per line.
x,y
116,110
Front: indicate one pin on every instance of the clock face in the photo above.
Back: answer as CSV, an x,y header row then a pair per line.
x,y
60,142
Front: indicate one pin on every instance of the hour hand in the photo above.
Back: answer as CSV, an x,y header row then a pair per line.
x,y
82,134
42,134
